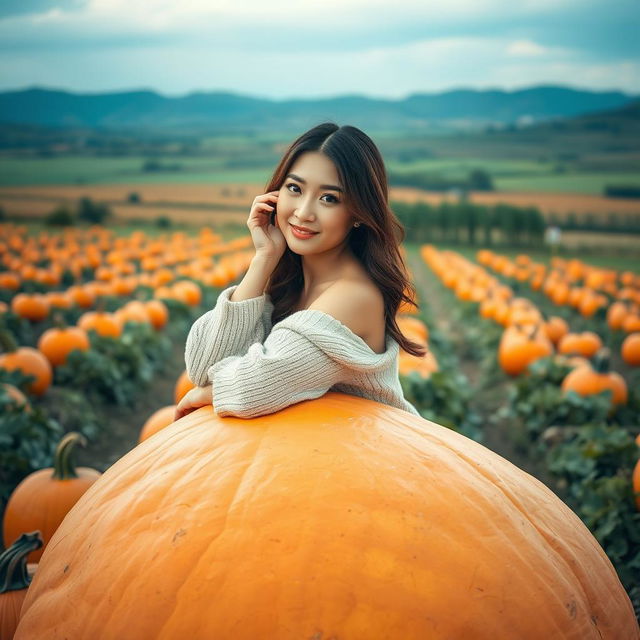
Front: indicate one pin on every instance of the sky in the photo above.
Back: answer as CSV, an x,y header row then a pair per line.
x,y
318,49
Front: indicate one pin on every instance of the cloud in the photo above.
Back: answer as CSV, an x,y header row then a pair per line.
x,y
278,49
525,48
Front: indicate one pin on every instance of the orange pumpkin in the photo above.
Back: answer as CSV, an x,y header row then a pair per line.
x,y
188,292
519,347
57,343
630,349
556,328
594,379
581,344
183,386
157,421
30,361
32,306
15,580
158,313
338,517
423,365
43,498
102,322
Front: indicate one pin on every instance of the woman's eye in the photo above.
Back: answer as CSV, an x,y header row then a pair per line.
x,y
333,201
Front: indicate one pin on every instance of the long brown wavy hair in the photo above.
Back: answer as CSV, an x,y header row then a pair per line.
x,y
375,243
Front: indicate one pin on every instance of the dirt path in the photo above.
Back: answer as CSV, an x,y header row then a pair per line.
x,y
486,399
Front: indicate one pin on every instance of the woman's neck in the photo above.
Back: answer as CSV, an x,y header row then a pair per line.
x,y
322,269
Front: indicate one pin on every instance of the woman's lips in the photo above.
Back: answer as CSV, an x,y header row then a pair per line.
x,y
302,234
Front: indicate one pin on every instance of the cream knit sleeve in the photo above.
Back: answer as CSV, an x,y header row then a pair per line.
x,y
286,369
228,329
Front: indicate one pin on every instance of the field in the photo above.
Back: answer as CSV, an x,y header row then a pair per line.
x,y
109,390
238,196
504,327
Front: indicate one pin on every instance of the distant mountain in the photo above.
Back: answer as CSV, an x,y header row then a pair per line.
x,y
222,111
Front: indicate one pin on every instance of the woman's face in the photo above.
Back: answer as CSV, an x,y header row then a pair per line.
x,y
312,197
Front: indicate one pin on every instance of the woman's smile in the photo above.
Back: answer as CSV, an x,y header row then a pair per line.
x,y
303,235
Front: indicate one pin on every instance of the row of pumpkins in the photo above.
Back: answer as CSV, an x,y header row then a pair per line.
x,y
576,284
527,337
113,258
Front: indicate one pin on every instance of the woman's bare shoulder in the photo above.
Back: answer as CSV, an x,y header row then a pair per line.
x,y
355,302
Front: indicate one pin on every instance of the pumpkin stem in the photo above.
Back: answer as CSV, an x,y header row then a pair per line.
x,y
13,562
601,360
63,468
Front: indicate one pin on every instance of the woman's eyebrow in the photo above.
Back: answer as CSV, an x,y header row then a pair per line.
x,y
332,187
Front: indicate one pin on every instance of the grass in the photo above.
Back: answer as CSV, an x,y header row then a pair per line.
x,y
587,183
110,170
508,175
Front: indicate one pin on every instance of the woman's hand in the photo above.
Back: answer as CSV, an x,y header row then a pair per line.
x,y
192,400
267,238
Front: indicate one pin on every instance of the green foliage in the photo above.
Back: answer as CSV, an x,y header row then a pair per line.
x,y
116,370
60,217
443,398
92,212
538,401
27,438
461,221
622,191
163,222
597,462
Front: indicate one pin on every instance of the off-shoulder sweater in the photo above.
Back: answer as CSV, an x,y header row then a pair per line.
x,y
256,368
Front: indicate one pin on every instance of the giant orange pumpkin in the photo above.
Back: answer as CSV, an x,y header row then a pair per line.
x,y
338,517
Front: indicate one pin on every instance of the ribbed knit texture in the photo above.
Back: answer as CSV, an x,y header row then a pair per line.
x,y
256,368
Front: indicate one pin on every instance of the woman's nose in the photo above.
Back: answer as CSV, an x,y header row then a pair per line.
x,y
305,210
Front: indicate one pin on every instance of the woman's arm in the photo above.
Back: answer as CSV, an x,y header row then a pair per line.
x,y
286,369
241,317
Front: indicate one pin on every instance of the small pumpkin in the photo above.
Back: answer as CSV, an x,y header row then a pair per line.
x,y
158,313
520,346
580,344
157,421
30,361
359,520
182,387
103,323
556,328
630,349
58,342
15,580
596,378
43,498
32,306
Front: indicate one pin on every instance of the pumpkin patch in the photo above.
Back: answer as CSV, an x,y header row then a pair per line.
x,y
501,333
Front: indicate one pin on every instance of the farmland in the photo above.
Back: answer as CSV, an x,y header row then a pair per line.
x,y
500,321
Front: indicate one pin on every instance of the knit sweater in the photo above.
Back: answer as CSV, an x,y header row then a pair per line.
x,y
256,368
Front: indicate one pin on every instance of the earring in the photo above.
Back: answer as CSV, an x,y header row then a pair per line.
x,y
357,224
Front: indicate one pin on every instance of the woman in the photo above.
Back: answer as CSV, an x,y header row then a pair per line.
x,y
316,309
